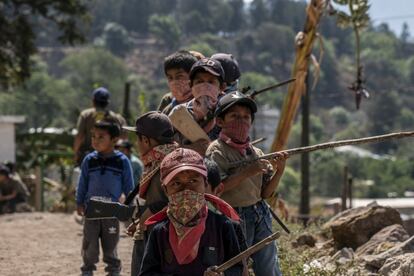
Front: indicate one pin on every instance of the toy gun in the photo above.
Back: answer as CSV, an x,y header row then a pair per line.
x,y
246,253
244,90
101,209
328,145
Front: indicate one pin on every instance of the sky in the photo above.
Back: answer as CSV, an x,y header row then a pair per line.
x,y
392,12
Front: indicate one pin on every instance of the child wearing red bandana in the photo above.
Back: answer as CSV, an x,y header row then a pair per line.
x,y
177,68
246,187
188,238
207,84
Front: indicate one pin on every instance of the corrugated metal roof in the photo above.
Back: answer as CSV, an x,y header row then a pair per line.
x,y
12,119
397,203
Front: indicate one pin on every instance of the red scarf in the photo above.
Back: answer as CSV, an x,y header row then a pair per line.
x,y
185,248
242,148
152,161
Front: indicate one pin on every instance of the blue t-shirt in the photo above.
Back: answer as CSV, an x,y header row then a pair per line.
x,y
104,176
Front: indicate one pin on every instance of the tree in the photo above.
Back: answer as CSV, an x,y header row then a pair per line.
x,y
115,38
258,12
55,98
17,38
278,53
238,19
90,68
165,29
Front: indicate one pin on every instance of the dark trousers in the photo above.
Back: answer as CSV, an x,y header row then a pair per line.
x,y
9,206
107,230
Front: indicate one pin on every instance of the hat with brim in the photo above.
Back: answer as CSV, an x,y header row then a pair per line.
x,y
130,128
153,124
181,168
208,65
180,160
232,99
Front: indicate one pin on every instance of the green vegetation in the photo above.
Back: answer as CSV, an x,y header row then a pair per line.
x,y
127,40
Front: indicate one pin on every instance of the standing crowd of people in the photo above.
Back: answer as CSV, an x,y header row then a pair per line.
x,y
194,209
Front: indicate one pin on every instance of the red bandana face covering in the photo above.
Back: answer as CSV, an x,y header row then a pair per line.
x,y
187,212
237,130
236,135
180,89
152,161
205,99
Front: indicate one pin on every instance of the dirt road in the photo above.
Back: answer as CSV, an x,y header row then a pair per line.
x,y
47,244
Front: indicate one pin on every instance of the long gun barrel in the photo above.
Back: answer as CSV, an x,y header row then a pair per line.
x,y
246,253
329,145
257,92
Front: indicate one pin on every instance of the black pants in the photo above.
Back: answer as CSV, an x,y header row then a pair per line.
x,y
137,256
9,206
107,230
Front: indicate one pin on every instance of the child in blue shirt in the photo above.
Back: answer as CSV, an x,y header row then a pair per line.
x,y
107,174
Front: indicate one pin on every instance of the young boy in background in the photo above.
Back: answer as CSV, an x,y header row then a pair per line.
x,y
245,187
105,174
125,147
231,71
177,68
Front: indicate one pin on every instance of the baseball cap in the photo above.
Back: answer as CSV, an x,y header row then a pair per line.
x,y
4,170
230,66
233,98
209,65
153,124
181,160
123,143
101,94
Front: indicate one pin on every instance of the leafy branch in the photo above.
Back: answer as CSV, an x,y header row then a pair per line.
x,y
357,19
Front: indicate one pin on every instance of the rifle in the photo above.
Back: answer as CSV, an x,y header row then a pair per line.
x,y
259,140
244,90
246,253
328,145
98,209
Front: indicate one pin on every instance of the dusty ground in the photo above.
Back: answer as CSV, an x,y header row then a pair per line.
x,y
47,244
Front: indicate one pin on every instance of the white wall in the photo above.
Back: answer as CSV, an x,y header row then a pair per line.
x,y
7,142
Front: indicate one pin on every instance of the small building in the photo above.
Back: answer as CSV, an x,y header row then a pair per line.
x,y
8,136
265,123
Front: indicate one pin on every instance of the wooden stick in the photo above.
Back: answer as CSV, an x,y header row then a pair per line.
x,y
246,253
329,145
258,140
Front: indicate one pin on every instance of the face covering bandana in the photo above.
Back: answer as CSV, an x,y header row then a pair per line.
x,y
237,130
185,205
187,212
205,100
180,89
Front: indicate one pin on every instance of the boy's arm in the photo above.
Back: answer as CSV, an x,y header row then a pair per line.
x,y
232,180
278,166
8,197
82,187
127,177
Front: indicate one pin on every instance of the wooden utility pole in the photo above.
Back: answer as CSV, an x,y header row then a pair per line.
x,y
344,193
304,208
350,191
304,45
125,111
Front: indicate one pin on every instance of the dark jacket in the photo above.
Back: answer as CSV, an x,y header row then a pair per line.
x,y
218,244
